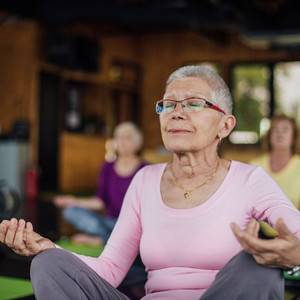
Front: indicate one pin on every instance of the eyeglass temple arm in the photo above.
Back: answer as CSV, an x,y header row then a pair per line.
x,y
215,107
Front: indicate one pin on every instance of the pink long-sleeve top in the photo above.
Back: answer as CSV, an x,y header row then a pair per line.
x,y
183,249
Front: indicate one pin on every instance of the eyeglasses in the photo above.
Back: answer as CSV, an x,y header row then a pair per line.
x,y
193,104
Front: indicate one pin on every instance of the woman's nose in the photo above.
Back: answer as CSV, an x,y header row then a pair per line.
x,y
178,111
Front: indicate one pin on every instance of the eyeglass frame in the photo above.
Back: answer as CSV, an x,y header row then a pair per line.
x,y
180,101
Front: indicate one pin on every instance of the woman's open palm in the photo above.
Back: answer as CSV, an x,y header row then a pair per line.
x,y
20,237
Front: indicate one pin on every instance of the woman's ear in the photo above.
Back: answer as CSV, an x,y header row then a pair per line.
x,y
227,124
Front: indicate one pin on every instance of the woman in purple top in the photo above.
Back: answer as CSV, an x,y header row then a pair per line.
x,y
112,187
113,181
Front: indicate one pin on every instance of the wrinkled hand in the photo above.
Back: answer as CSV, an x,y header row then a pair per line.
x,y
65,200
280,252
20,237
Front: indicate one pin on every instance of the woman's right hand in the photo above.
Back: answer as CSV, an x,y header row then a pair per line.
x,y
20,237
65,200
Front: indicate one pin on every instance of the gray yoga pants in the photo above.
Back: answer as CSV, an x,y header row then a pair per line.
x,y
58,274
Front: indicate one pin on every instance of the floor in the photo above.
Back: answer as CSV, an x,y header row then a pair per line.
x,y
13,265
45,223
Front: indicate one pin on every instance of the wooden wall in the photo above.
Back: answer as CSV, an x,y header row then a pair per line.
x,y
21,60
19,56
159,54
80,159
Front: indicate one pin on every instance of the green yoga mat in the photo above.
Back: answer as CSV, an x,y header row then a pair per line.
x,y
12,288
88,250
287,276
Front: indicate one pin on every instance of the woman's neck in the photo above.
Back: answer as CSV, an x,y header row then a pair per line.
x,y
191,165
127,164
279,159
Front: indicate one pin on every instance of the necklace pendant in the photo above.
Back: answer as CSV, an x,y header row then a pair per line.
x,y
187,195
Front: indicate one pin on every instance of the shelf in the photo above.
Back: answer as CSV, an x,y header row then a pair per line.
x,y
66,74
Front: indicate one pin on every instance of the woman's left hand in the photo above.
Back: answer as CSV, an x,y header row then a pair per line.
x,y
280,252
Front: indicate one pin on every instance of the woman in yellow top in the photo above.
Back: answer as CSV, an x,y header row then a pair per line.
x,y
282,162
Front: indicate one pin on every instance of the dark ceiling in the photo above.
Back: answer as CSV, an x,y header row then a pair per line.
x,y
278,21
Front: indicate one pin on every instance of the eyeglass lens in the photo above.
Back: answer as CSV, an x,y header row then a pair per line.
x,y
189,105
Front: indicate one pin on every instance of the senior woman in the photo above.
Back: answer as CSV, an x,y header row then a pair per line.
x,y
190,218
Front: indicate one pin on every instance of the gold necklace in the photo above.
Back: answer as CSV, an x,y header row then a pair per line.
x,y
187,193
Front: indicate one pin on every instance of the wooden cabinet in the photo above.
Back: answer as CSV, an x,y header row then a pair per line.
x,y
80,158
81,110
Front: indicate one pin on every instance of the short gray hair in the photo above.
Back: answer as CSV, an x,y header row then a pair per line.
x,y
220,94
132,126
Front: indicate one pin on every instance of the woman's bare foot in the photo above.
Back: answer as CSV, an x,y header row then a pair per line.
x,y
85,239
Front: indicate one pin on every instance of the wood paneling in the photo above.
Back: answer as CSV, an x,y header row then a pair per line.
x,y
19,57
158,54
80,159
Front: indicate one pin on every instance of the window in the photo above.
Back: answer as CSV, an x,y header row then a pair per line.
x,y
259,90
287,92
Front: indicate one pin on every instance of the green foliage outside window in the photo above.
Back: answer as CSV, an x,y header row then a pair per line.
x,y
250,95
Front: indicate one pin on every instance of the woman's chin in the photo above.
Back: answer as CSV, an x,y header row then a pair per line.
x,y
178,148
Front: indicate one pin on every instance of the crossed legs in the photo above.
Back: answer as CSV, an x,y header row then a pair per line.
x,y
58,274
